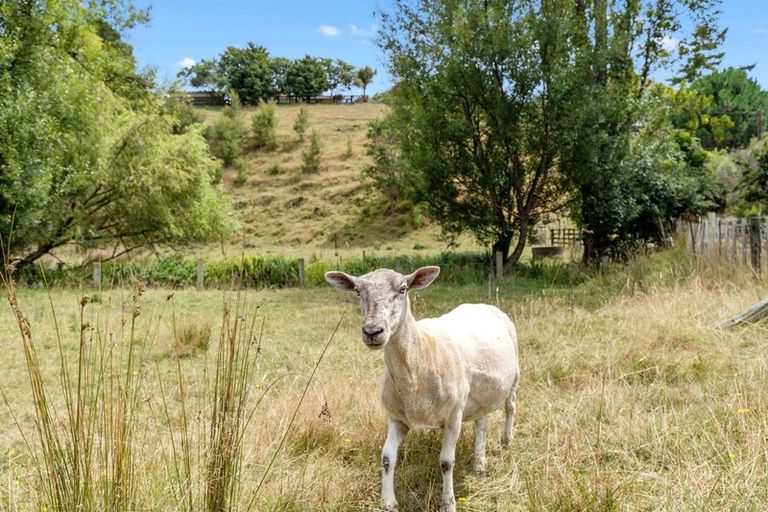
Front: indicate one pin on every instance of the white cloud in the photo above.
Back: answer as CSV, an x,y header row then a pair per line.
x,y
329,30
359,32
186,62
669,43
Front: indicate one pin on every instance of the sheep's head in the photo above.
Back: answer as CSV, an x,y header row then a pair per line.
x,y
384,298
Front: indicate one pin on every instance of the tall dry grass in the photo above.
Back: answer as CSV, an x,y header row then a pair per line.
x,y
630,399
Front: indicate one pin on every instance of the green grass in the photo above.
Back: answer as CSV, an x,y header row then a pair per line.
x,y
629,399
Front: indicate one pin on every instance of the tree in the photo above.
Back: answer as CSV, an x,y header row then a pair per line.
x,y
339,73
204,75
279,67
247,71
754,185
473,113
610,79
306,77
734,94
264,126
88,154
301,124
364,77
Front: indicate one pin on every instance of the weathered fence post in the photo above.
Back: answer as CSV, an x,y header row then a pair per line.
x,y
498,268
712,224
302,276
754,242
97,274
200,274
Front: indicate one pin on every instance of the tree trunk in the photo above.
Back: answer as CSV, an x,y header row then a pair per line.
x,y
501,245
520,246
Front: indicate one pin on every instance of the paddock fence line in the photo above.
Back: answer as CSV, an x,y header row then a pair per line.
x,y
728,241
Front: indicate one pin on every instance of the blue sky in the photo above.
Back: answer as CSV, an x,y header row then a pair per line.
x,y
185,31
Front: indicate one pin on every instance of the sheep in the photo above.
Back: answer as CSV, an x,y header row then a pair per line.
x,y
438,371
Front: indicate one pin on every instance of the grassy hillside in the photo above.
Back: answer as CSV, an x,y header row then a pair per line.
x,y
284,210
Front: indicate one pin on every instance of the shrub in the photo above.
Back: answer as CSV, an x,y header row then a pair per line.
x,y
225,138
263,125
348,153
301,124
311,156
255,271
240,168
183,113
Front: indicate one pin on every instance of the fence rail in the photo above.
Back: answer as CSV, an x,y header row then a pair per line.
x,y
731,242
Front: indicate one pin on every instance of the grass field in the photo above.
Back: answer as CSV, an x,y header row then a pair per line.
x,y
630,399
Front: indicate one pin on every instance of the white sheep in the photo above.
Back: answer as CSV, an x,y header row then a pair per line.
x,y
439,371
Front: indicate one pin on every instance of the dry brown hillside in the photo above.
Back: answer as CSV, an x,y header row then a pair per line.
x,y
284,210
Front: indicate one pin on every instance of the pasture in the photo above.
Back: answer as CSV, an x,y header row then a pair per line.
x,y
629,398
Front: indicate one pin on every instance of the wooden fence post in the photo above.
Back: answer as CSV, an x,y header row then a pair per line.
x,y
200,274
755,243
302,276
97,275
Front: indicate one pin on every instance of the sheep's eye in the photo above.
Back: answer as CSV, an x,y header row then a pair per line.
x,y
357,292
403,289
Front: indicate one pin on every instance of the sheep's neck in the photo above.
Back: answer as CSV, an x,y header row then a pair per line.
x,y
401,354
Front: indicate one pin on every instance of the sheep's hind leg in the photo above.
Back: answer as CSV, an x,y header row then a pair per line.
x,y
509,409
395,433
481,425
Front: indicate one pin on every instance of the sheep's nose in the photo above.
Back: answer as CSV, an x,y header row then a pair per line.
x,y
372,330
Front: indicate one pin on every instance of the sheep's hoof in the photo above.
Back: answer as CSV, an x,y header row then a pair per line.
x,y
448,507
389,505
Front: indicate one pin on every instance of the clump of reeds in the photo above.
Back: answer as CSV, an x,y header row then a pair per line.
x,y
85,455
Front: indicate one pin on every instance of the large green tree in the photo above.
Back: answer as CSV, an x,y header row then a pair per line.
x,y
479,87
247,71
306,77
88,152
615,46
734,94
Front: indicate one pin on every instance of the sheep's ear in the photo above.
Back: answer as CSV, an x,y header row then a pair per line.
x,y
341,280
422,277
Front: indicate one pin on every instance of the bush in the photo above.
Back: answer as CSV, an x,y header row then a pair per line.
x,y
256,272
349,153
241,169
302,124
225,138
264,125
311,156
183,113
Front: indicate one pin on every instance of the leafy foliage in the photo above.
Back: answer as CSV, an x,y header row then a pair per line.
x,y
264,126
310,157
226,136
89,153
301,124
754,186
733,95
389,171
473,114
364,77
306,77
247,71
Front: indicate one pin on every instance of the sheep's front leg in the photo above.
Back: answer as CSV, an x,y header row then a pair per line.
x,y
395,433
451,432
